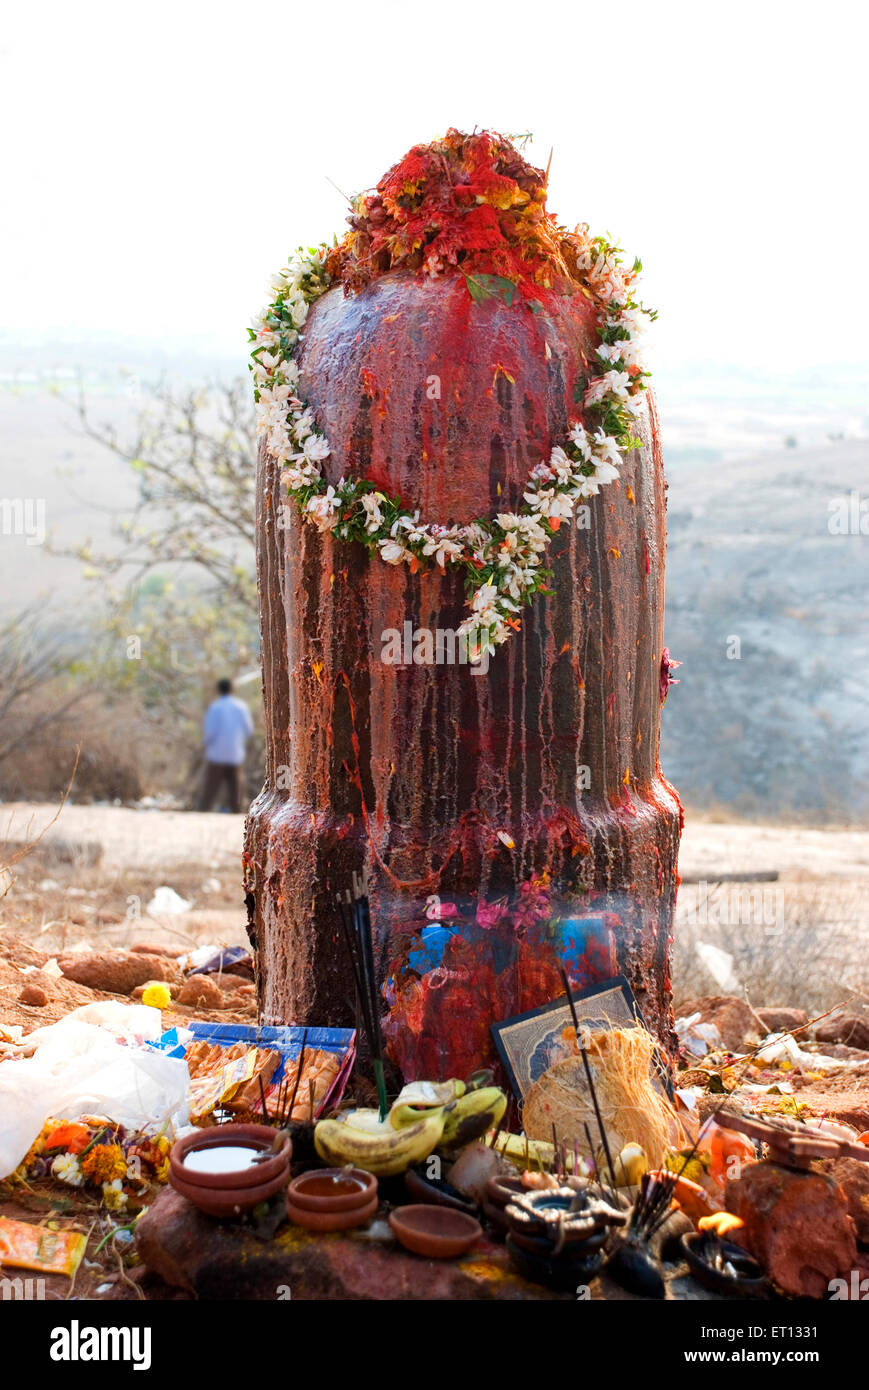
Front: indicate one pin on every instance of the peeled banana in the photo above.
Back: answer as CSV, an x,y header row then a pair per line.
x,y
421,1098
366,1141
471,1116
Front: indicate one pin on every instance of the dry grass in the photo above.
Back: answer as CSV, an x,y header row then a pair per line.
x,y
812,957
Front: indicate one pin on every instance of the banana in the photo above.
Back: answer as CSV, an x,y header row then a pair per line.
x,y
400,1116
421,1098
532,1155
472,1115
377,1146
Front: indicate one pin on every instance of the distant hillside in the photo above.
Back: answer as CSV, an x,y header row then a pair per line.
x,y
782,731
782,728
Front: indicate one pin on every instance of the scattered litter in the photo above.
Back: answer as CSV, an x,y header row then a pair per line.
x,y
77,1067
697,1038
720,966
781,1048
25,1246
167,903
209,961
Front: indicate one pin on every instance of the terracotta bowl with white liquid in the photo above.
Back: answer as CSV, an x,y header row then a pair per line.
x,y
231,1168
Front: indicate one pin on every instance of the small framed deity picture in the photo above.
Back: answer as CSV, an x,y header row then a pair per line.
x,y
530,1043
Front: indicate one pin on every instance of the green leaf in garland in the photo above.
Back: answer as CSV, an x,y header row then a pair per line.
x,y
483,287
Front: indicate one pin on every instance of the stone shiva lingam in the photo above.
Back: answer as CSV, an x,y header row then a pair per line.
x,y
461,538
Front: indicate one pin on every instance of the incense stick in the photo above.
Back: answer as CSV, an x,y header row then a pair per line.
x,y
589,1079
262,1096
298,1074
358,936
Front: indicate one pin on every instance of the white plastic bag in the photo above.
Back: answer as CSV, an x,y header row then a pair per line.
x,y
82,1067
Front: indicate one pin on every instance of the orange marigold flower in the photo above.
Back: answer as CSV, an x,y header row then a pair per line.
x,y
104,1163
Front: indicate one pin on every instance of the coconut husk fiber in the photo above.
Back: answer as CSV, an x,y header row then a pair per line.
x,y
633,1107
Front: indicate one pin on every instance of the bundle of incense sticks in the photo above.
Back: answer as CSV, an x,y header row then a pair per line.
x,y
286,1100
355,917
590,1080
655,1198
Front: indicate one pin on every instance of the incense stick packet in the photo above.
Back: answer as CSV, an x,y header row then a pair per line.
x,y
24,1246
208,1091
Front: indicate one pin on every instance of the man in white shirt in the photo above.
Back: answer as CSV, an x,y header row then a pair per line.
x,y
226,728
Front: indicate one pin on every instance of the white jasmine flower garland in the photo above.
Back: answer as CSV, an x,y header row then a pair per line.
x,y
501,557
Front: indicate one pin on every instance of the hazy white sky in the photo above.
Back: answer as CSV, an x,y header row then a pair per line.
x,y
159,160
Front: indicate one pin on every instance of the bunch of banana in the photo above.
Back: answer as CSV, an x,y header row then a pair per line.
x,y
361,1138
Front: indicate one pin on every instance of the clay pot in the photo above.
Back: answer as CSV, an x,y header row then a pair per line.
x,y
749,1281
434,1193
439,1233
259,1137
341,1220
500,1191
560,1273
332,1190
226,1202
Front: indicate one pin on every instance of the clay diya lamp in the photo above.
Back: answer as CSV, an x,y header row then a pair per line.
x,y
332,1199
437,1232
500,1192
723,1267
556,1237
228,1170
436,1191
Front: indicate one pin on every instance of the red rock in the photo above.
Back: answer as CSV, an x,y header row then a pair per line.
x,y
116,972
230,983
853,1178
200,992
213,1260
32,994
782,1020
845,1028
738,1024
843,1096
797,1225
841,1051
